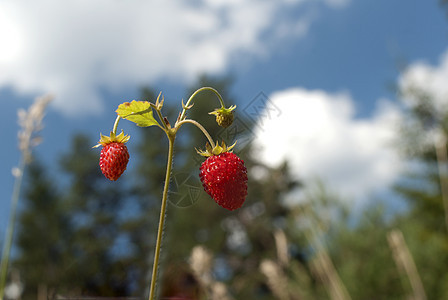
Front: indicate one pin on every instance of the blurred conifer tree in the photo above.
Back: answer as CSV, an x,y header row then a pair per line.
x,y
43,234
425,226
67,240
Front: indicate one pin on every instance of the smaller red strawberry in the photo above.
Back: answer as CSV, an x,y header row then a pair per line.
x,y
224,177
114,155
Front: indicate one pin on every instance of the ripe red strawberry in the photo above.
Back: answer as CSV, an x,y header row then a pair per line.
x,y
114,155
224,178
113,160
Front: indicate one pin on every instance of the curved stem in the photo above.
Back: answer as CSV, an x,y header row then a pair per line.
x,y
207,135
117,120
197,92
162,216
10,230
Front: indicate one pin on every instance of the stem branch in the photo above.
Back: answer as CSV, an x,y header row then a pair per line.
x,y
207,135
182,116
165,127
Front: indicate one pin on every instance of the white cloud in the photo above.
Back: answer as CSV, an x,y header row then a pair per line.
x,y
74,47
432,80
318,134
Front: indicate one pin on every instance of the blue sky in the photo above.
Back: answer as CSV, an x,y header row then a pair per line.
x,y
342,56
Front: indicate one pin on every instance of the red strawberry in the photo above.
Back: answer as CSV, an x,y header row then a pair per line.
x,y
113,160
114,155
224,178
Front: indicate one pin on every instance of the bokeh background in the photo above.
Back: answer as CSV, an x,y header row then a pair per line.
x,y
341,119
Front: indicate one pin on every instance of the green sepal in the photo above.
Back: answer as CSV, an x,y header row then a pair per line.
x,y
223,111
159,103
104,139
209,151
139,112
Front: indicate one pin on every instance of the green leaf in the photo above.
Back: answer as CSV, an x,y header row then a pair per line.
x,y
139,112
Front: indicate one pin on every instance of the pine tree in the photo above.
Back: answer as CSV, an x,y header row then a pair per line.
x,y
43,234
69,231
425,226
95,207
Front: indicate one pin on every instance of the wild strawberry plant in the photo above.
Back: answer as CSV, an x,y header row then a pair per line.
x,y
223,174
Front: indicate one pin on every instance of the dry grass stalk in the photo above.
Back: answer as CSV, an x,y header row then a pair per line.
x,y
321,265
274,271
30,123
281,244
201,264
276,279
405,263
219,291
201,261
324,269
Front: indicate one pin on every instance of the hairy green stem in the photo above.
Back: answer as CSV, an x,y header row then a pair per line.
x,y
169,166
10,230
182,116
207,135
171,134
